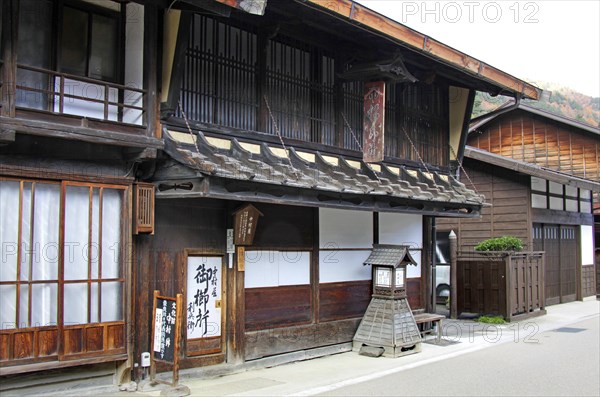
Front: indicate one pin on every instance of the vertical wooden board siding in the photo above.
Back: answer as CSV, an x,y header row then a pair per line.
x,y
509,214
543,142
179,224
47,343
588,281
343,299
5,346
270,342
413,292
115,337
94,338
277,306
73,341
284,226
23,345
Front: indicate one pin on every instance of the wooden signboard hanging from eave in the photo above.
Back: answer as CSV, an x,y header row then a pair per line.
x,y
246,219
374,122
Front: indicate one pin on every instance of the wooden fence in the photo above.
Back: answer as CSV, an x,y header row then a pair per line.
x,y
501,283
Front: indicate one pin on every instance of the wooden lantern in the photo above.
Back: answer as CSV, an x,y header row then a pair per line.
x,y
388,323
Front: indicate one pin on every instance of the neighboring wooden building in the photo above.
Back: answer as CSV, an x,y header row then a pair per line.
x,y
540,172
215,107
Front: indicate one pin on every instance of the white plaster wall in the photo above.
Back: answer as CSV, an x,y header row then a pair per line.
x,y
276,268
338,266
587,245
345,228
405,229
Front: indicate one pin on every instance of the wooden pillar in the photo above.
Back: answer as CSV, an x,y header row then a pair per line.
x,y
262,116
10,18
151,56
453,276
426,266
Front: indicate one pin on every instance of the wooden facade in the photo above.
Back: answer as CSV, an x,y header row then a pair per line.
x,y
544,141
125,163
540,174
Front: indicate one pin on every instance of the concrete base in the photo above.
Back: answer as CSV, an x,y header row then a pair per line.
x,y
178,391
390,351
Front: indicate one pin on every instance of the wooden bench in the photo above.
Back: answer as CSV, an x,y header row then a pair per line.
x,y
433,319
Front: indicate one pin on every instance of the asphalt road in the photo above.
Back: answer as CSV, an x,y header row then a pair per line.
x,y
550,363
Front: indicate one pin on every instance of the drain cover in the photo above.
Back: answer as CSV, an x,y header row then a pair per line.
x,y
569,330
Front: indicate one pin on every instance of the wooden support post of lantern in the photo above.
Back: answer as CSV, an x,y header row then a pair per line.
x,y
388,324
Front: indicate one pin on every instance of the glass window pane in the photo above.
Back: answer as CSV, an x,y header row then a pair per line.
x,y
103,59
586,207
24,306
556,188
74,42
95,247
77,206
556,203
585,194
538,184
570,191
112,301
571,205
94,315
44,298
35,49
9,223
538,201
45,232
111,233
76,304
8,302
26,255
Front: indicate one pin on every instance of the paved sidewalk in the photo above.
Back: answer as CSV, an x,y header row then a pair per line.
x,y
328,373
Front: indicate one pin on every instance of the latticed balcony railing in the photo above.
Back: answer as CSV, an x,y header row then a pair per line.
x,y
63,93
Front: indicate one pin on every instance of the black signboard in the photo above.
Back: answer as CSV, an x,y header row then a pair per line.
x,y
165,329
165,334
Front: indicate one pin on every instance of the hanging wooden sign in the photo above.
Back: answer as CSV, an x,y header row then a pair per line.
x,y
374,122
246,219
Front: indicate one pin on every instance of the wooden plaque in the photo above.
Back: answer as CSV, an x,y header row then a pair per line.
x,y
246,219
374,122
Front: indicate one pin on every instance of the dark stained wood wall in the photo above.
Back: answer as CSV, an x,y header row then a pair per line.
x,y
531,138
180,224
508,193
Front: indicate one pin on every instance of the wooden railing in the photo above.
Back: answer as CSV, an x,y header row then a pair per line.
x,y
129,98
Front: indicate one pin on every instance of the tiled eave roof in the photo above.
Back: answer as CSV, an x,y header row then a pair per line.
x,y
260,167
390,255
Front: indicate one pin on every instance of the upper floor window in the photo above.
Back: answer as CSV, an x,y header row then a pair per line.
x,y
89,45
551,195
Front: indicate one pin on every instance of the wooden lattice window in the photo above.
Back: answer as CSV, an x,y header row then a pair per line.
x,y
144,208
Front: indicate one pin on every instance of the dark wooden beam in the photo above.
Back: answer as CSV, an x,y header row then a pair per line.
x,y
53,130
178,70
6,136
10,18
151,56
464,134
539,215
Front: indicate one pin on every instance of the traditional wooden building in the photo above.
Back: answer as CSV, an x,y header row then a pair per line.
x,y
541,174
135,134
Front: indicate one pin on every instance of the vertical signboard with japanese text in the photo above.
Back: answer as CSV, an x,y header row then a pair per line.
x,y
374,122
204,287
164,329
